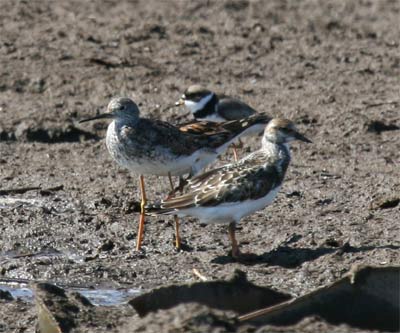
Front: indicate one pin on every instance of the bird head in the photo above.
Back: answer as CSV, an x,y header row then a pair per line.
x,y
118,108
195,98
281,130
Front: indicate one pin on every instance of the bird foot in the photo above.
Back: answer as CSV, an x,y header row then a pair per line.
x,y
183,247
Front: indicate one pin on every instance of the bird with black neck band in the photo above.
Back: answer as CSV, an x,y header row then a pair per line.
x,y
205,104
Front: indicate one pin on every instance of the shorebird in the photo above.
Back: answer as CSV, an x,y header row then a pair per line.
x,y
207,105
231,192
153,147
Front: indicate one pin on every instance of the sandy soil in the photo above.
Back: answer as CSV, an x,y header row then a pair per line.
x,y
331,66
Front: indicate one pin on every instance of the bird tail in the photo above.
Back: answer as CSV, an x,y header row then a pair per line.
x,y
235,129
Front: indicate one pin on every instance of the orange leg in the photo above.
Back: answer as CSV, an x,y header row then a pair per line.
x,y
235,246
142,213
177,237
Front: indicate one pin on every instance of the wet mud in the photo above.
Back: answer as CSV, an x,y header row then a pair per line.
x,y
67,213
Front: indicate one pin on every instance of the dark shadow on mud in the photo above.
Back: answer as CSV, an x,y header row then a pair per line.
x,y
367,298
223,295
288,257
68,133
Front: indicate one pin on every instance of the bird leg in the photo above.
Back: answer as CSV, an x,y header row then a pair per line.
x,y
180,187
239,144
183,182
177,237
142,213
235,154
235,247
236,146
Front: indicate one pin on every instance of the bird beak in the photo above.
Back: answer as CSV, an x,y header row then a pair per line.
x,y
301,137
181,101
100,116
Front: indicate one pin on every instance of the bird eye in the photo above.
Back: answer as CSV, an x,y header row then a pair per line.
x,y
122,108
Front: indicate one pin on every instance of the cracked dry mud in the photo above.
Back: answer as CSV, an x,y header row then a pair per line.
x,y
331,66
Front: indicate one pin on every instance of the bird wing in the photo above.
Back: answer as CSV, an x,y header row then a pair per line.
x,y
219,133
237,126
251,178
231,108
151,134
203,127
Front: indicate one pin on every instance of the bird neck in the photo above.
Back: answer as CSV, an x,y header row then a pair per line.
x,y
278,153
205,107
117,126
126,120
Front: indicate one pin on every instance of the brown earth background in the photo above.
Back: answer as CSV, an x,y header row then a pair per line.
x,y
333,67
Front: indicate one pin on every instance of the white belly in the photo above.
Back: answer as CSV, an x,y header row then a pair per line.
x,y
229,212
160,163
176,167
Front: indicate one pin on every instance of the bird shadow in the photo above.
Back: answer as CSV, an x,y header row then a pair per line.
x,y
289,257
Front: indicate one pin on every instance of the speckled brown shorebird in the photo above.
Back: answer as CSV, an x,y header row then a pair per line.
x,y
153,147
231,192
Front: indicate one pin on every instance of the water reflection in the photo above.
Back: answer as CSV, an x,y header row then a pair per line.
x,y
99,297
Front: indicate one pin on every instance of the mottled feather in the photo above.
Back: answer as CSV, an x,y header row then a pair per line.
x,y
251,178
233,126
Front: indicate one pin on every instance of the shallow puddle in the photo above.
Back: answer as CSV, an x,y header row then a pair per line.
x,y
21,293
99,297
20,288
109,297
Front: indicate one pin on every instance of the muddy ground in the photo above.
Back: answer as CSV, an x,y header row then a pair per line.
x,y
331,66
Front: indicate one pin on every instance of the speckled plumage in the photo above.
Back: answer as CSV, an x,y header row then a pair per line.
x,y
154,147
218,195
250,178
211,128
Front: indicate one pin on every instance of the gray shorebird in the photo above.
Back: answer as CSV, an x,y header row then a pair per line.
x,y
231,192
205,104
153,147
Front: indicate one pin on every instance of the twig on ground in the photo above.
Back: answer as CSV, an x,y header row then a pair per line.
x,y
22,190
199,275
372,105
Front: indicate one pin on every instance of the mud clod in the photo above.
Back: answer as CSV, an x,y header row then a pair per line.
x,y
6,295
26,133
377,126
